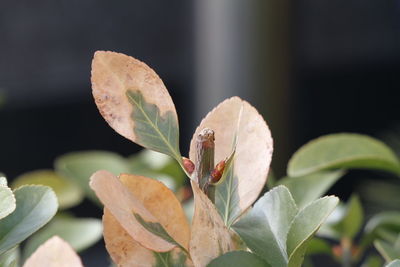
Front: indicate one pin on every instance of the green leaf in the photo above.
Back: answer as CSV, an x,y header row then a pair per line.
x,y
68,193
10,258
305,225
157,229
387,219
158,166
264,228
343,150
170,259
306,189
7,201
80,233
227,195
353,219
238,259
395,263
318,246
373,261
386,250
381,225
36,205
79,166
152,129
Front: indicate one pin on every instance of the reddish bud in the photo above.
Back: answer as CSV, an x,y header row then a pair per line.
x,y
188,165
216,174
220,166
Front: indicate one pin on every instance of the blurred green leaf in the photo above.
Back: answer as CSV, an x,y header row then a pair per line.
x,y
318,246
387,250
388,219
81,165
10,258
306,189
379,195
264,228
36,205
271,180
353,218
384,225
80,233
395,263
68,193
305,225
157,166
7,201
373,261
238,259
343,150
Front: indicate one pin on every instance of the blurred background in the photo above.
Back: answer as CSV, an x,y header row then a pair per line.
x,y
311,67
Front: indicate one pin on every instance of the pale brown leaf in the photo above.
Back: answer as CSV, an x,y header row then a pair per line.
x,y
55,252
162,203
123,204
210,237
123,249
115,73
235,117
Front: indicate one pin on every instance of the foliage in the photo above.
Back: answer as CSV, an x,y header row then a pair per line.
x,y
146,218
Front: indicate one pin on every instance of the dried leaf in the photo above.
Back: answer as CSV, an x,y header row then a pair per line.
x,y
125,251
135,103
161,202
210,237
236,122
123,205
54,253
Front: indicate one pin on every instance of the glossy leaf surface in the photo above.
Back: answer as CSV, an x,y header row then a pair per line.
x,y
305,225
265,227
36,205
238,259
306,189
343,150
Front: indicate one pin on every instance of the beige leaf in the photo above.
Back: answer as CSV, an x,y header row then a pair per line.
x,y
55,252
235,117
162,203
112,75
123,249
210,237
123,205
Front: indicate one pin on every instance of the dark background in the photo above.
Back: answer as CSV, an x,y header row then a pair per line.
x,y
311,67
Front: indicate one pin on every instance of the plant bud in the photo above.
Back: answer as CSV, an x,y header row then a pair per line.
x,y
216,174
188,165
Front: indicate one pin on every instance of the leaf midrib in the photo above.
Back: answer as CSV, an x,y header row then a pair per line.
x,y
174,152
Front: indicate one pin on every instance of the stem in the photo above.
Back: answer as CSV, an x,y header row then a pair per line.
x,y
204,158
346,252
